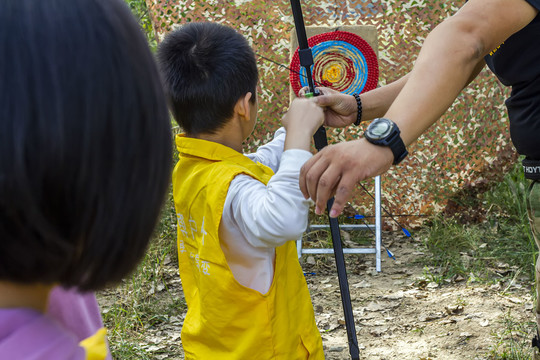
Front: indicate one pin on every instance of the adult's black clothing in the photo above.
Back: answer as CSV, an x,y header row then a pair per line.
x,y
516,62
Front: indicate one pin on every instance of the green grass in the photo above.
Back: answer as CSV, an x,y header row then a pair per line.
x,y
500,247
514,343
501,241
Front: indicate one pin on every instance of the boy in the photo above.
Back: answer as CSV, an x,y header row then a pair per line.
x,y
237,222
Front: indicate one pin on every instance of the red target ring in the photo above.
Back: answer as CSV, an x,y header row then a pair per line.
x,y
343,61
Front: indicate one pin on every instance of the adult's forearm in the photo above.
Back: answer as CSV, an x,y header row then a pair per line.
x,y
444,65
375,103
449,58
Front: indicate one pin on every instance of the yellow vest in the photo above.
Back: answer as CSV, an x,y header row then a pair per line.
x,y
226,320
95,345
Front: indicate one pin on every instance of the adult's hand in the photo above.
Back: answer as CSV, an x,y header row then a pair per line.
x,y
340,109
336,170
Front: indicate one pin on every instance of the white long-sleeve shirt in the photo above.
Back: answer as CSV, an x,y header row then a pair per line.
x,y
257,218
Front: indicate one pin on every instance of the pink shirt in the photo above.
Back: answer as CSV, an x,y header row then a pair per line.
x,y
77,312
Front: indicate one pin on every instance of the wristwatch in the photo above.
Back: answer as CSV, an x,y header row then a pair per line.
x,y
384,132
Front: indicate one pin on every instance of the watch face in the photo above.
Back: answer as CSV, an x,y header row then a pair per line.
x,y
379,129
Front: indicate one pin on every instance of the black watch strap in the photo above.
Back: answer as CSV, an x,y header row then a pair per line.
x,y
398,148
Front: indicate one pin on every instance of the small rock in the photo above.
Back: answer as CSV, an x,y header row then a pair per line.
x,y
515,300
378,331
453,309
430,317
336,349
374,306
394,296
362,284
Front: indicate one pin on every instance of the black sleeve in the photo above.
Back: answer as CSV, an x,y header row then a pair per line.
x,y
534,3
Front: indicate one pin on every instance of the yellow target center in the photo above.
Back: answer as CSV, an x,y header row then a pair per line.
x,y
333,73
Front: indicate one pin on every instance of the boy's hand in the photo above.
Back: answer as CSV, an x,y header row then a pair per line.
x,y
301,122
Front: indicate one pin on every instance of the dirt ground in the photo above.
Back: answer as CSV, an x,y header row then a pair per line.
x,y
400,313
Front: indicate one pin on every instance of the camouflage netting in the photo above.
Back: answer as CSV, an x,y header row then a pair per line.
x,y
468,146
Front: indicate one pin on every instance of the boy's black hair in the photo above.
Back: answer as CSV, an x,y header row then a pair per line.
x,y
206,69
85,142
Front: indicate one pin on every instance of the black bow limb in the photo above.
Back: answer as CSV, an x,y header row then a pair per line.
x,y
306,61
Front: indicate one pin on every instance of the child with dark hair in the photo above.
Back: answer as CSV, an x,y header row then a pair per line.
x,y
238,216
85,149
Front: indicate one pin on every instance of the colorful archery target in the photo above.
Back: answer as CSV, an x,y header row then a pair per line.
x,y
343,61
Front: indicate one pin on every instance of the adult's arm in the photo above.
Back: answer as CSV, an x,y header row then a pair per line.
x,y
341,109
447,61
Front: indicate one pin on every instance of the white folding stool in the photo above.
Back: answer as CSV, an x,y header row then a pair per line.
x,y
353,227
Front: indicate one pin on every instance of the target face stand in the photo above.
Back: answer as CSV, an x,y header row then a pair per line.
x,y
343,61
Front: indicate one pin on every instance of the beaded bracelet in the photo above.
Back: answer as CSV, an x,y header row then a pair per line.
x,y
359,114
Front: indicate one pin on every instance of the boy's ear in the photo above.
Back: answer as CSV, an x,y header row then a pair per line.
x,y
242,107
